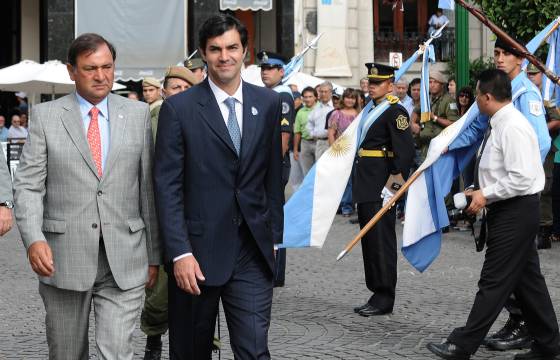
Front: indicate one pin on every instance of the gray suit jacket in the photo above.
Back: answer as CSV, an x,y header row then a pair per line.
x,y
5,180
60,198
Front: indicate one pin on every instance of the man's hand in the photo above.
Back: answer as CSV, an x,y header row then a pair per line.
x,y
415,128
296,155
477,203
187,272
6,220
153,271
40,258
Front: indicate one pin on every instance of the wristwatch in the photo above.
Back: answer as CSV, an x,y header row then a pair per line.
x,y
9,204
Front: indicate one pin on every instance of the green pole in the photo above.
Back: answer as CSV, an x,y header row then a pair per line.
x,y
461,46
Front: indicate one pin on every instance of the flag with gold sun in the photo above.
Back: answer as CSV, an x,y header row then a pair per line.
x,y
309,213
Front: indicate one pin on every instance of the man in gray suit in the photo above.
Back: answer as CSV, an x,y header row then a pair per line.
x,y
6,197
85,208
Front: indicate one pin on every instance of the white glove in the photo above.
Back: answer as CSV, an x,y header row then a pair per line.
x,y
386,195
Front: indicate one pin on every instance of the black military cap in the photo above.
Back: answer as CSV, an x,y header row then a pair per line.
x,y
379,72
505,46
271,59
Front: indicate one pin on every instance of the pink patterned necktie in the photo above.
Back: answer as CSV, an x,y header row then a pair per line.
x,y
94,139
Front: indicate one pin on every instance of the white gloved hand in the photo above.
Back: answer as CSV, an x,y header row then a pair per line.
x,y
386,195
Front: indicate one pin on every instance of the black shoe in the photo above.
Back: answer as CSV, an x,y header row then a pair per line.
x,y
543,242
371,310
511,324
448,350
535,355
152,354
518,338
357,309
354,221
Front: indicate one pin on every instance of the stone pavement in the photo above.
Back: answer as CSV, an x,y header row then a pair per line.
x,y
312,315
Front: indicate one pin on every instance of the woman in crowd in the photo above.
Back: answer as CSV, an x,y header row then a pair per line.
x,y
338,122
464,99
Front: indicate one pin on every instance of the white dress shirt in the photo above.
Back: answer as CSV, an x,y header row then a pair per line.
x,y
510,165
316,120
221,96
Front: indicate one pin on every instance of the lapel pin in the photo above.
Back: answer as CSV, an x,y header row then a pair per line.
x,y
254,110
120,116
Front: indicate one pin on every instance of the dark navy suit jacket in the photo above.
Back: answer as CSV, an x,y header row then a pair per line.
x,y
204,190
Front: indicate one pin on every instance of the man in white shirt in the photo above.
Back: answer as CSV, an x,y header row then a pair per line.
x,y
508,179
317,118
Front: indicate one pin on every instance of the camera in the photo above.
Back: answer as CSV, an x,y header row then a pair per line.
x,y
461,203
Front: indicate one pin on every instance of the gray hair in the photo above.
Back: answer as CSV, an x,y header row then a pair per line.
x,y
326,84
402,80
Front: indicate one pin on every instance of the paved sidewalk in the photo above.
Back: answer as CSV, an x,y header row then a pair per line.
x,y
312,315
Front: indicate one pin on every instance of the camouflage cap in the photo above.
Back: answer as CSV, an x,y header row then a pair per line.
x,y
194,63
438,76
181,72
151,81
532,69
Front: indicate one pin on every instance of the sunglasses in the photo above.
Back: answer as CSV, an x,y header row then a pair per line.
x,y
464,95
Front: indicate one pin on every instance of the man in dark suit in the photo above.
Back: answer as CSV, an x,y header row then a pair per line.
x,y
218,180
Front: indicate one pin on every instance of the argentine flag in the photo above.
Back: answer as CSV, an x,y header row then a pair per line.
x,y
426,213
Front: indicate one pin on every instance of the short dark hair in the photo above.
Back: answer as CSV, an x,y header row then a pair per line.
x,y
88,42
309,89
495,82
219,24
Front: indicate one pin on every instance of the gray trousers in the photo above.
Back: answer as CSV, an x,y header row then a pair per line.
x,y
320,148
115,313
307,155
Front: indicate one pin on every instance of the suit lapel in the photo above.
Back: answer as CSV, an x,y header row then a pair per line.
x,y
117,124
250,120
72,121
211,113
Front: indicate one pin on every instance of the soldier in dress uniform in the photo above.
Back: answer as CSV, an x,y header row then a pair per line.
x,y
151,90
385,156
272,72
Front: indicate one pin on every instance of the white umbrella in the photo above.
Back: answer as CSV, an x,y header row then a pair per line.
x,y
252,74
50,77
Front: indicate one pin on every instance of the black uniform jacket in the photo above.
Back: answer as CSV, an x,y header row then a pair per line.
x,y
391,131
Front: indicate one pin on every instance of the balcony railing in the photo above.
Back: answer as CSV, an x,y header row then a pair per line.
x,y
407,43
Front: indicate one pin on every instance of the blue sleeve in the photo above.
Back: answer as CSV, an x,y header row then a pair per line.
x,y
526,103
471,134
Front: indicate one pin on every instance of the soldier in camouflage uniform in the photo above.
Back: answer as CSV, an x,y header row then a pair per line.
x,y
443,113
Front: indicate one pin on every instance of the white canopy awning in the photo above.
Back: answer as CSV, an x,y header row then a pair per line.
x,y
34,78
252,74
245,5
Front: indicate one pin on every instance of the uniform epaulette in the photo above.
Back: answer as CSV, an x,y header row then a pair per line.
x,y
392,99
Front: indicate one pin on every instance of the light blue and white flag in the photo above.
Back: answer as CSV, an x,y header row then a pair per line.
x,y
296,63
427,58
537,41
548,88
426,213
425,206
446,4
309,213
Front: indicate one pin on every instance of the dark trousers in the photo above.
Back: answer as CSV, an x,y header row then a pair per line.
x,y
555,192
511,265
379,250
247,302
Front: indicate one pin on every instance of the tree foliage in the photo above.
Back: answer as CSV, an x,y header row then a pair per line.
x,y
521,18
